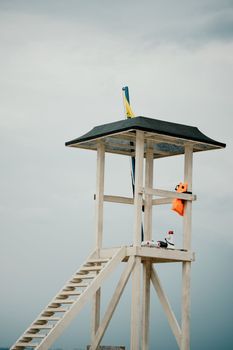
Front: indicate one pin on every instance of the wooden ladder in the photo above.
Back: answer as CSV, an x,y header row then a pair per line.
x,y
68,302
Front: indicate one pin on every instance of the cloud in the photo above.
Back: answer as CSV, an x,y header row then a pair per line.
x,y
142,25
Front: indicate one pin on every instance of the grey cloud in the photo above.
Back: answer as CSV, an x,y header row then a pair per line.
x,y
220,26
148,24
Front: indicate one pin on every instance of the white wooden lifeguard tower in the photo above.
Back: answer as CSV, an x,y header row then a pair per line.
x,y
142,138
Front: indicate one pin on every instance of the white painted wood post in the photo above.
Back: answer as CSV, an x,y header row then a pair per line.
x,y
146,305
186,267
135,306
148,197
95,313
138,187
147,236
98,230
99,195
136,274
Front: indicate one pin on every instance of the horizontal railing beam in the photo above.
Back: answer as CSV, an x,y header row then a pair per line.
x,y
170,194
118,199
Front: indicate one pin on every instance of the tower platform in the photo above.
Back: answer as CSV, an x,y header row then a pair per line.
x,y
153,255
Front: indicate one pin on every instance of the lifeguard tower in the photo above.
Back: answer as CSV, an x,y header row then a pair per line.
x,y
145,139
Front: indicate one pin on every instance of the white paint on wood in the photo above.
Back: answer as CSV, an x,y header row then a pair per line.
x,y
148,197
118,199
146,305
99,229
160,253
135,306
186,269
138,187
93,261
30,335
185,315
24,344
95,320
187,223
91,268
99,194
170,194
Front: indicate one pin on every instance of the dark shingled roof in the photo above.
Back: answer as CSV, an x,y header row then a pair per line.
x,y
169,137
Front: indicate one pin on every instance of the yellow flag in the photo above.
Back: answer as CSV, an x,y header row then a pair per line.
x,y
129,112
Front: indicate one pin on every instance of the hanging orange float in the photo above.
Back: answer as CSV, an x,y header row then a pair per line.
x,y
178,204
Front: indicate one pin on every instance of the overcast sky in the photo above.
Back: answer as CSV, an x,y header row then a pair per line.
x,y
62,67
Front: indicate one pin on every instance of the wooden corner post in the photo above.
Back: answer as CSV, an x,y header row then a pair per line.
x,y
98,230
136,274
186,267
147,236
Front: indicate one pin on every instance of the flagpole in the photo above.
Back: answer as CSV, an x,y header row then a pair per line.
x,y
125,90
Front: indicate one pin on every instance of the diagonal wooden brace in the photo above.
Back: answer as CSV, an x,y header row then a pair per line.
x,y
166,306
113,303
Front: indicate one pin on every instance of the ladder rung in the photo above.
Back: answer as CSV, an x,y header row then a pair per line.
x,y
35,326
93,261
81,285
33,331
40,322
24,344
28,335
49,318
47,313
82,277
58,309
61,296
92,268
64,301
71,292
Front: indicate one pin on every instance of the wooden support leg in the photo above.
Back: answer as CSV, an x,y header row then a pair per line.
x,y
113,303
98,229
146,305
147,236
135,308
186,270
95,313
186,276
148,197
138,188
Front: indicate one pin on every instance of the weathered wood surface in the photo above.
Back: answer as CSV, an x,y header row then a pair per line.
x,y
186,270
